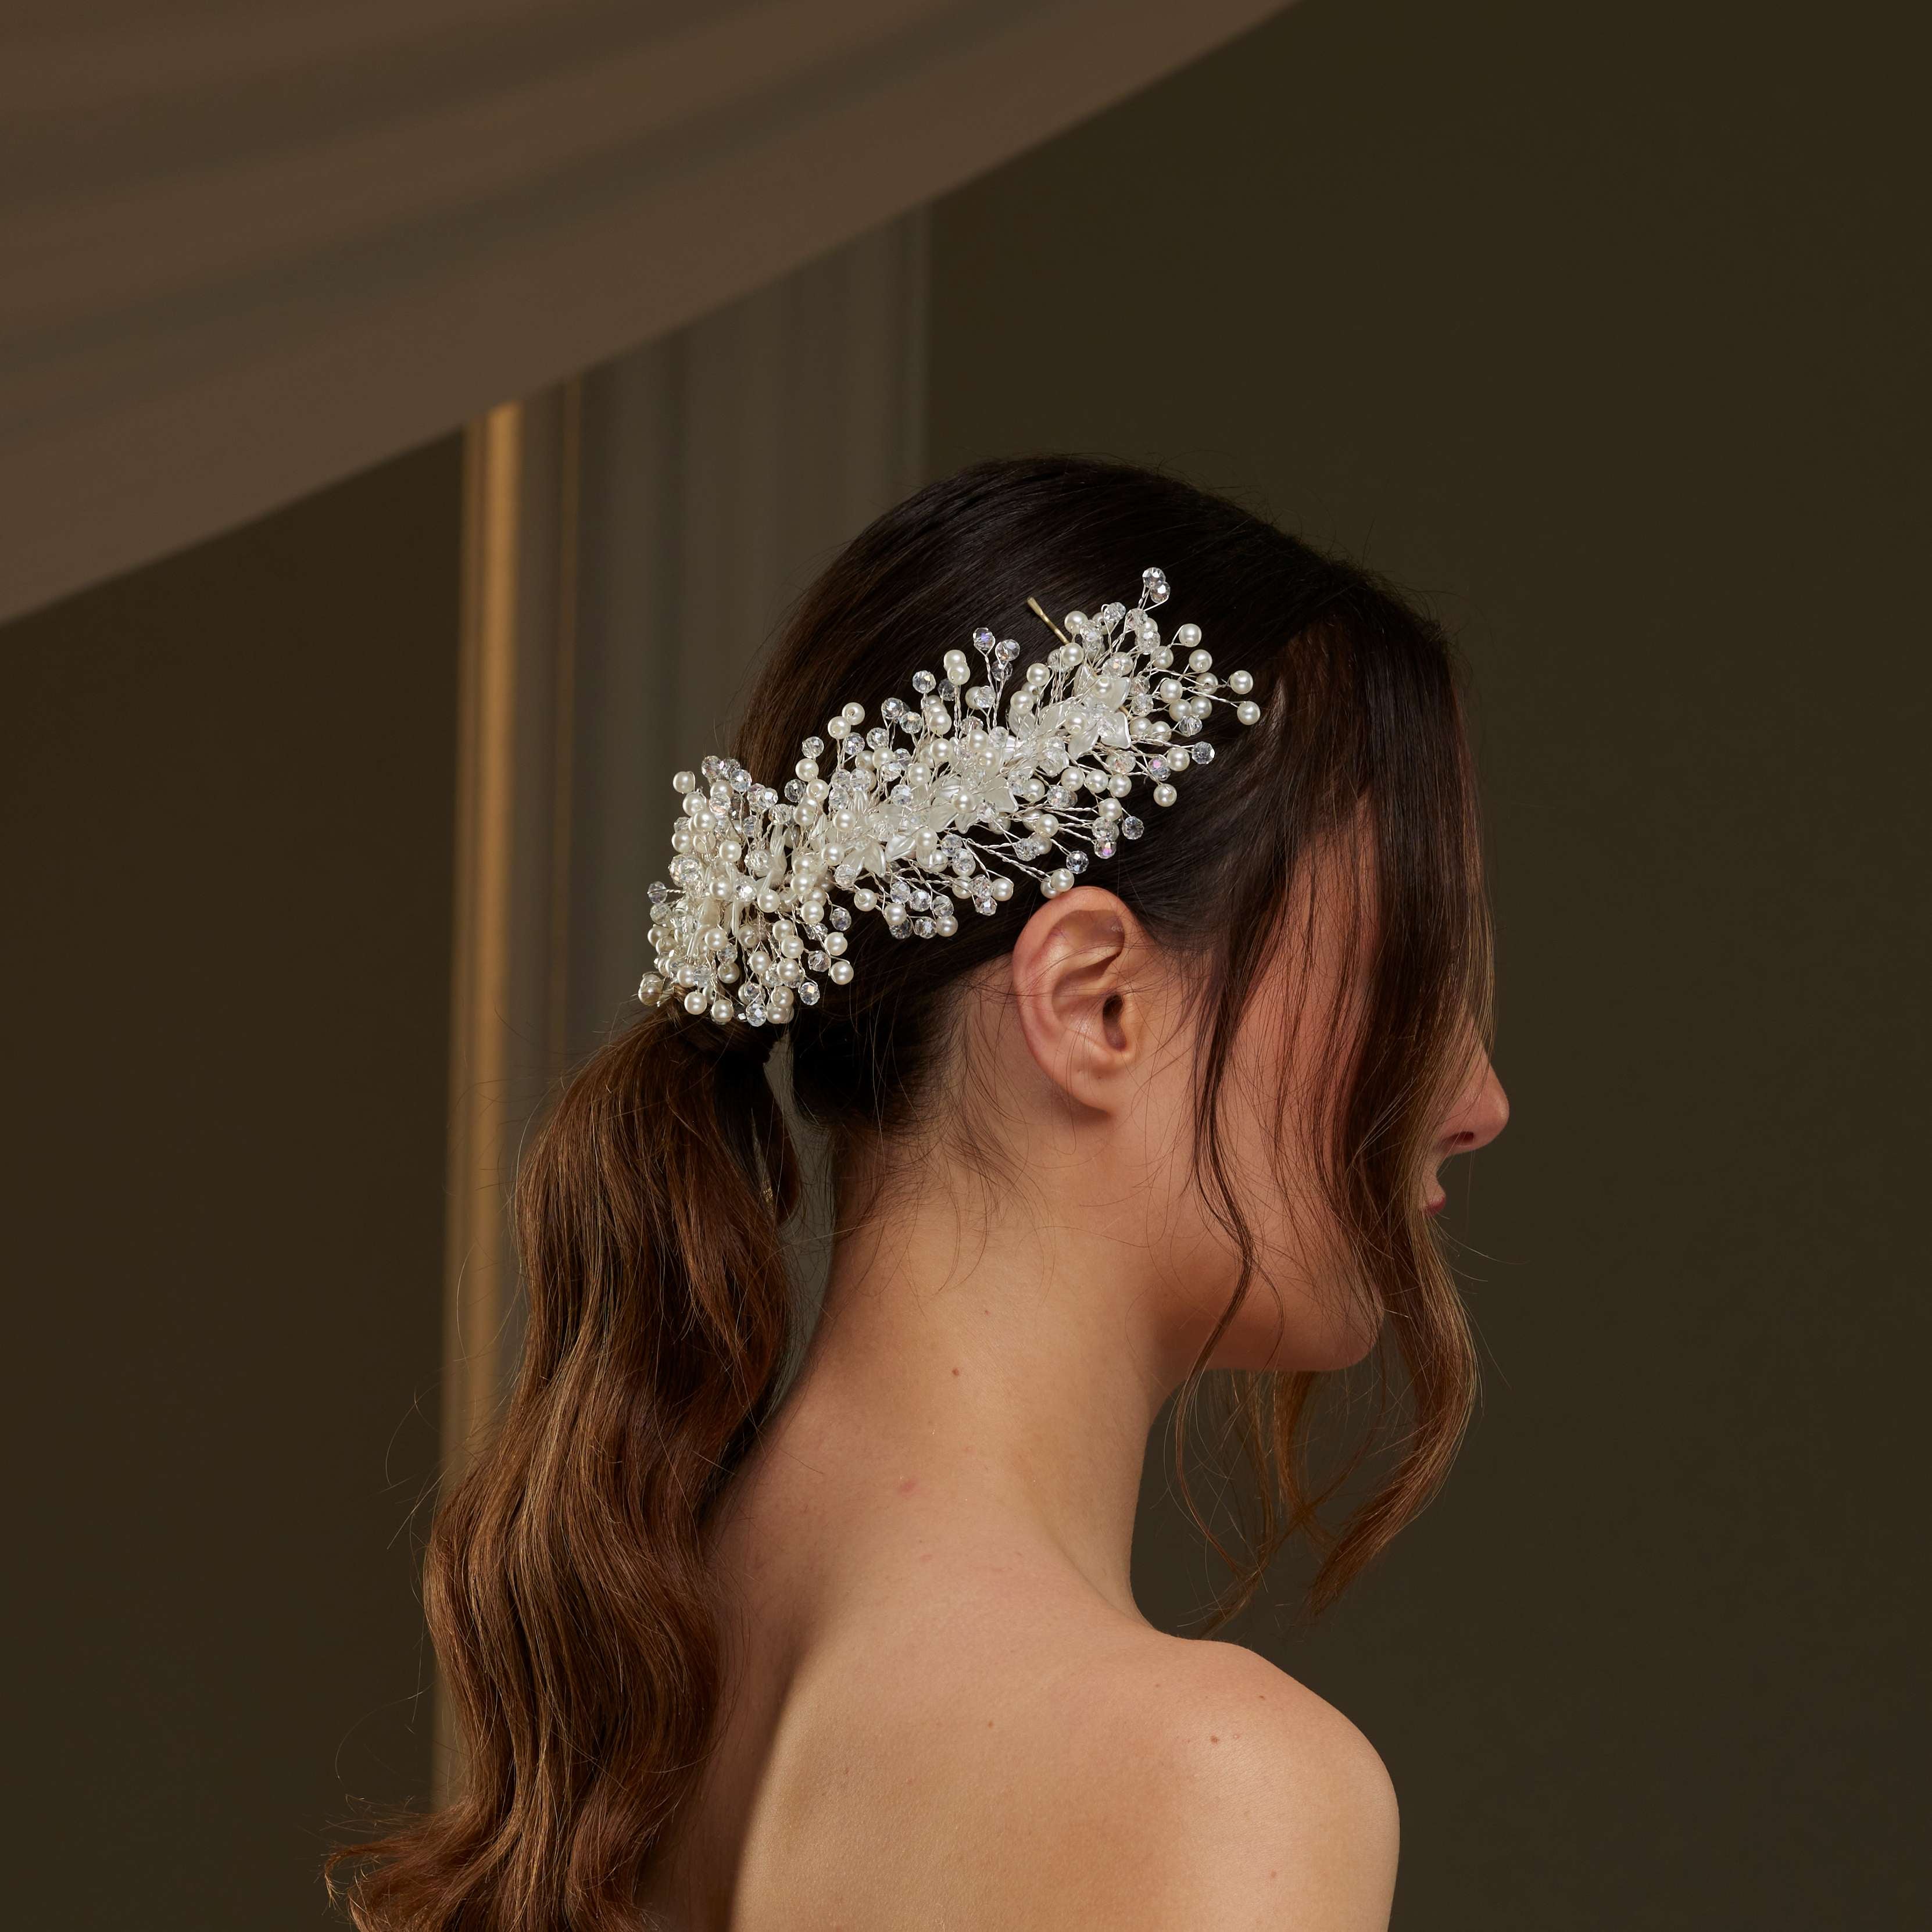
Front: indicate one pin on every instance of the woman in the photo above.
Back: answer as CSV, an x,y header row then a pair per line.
x,y
1141,997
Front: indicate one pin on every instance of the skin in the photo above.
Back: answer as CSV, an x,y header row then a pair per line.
x,y
947,1711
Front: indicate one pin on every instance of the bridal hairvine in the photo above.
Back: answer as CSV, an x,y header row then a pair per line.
x,y
932,809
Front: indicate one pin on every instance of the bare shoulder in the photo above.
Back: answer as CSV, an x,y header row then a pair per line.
x,y
1017,1754
1216,1789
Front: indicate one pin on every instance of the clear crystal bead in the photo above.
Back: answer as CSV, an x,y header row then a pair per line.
x,y
839,919
1131,827
923,681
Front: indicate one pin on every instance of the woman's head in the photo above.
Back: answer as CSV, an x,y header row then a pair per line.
x,y
1240,1049
1259,1028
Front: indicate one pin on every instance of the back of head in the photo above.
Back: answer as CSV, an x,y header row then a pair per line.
x,y
566,1585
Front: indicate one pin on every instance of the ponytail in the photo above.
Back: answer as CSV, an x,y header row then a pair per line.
x,y
565,1586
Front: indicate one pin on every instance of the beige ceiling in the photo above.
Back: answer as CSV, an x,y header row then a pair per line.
x,y
251,246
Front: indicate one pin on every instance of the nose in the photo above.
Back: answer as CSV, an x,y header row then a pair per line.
x,y
1480,1113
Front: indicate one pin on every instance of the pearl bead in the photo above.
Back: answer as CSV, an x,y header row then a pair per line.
x,y
1187,635
958,670
837,727
806,768
1199,661
1165,794
720,1011
1003,889
1248,711
695,1002
1059,882
840,972
684,781
1240,682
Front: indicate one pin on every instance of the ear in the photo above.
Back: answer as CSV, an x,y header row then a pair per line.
x,y
1080,969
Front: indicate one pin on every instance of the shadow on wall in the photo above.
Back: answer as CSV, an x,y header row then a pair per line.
x,y
228,782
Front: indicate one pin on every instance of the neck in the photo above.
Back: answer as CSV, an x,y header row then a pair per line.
x,y
993,1360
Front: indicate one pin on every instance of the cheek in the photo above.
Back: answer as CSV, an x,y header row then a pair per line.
x,y
1303,1310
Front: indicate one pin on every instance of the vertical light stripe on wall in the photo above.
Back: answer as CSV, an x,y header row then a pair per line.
x,y
632,541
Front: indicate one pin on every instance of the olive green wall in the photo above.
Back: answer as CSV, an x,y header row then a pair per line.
x,y
1602,331
227,787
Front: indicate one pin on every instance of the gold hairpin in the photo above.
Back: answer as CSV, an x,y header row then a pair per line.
x,y
1032,604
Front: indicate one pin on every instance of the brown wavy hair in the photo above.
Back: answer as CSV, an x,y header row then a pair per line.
x,y
566,1585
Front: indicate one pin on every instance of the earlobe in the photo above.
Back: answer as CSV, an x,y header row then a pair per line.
x,y
1079,1008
